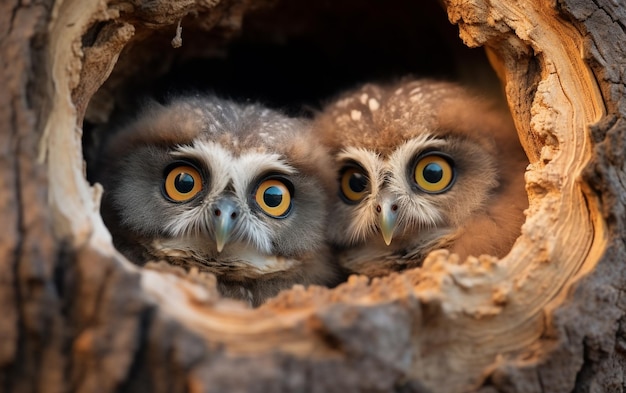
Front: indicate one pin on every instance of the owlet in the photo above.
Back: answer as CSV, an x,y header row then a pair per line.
x,y
421,165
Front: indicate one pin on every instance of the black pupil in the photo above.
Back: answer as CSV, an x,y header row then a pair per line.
x,y
357,182
273,196
433,173
184,183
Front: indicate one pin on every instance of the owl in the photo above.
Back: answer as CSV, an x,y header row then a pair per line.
x,y
229,188
421,165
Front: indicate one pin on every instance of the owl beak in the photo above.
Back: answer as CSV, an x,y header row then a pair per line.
x,y
387,218
225,214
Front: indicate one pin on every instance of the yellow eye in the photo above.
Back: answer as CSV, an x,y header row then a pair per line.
x,y
273,197
353,184
182,183
434,173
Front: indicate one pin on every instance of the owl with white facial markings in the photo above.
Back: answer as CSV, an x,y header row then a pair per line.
x,y
421,165
233,189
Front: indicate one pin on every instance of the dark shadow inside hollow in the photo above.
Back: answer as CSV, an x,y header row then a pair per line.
x,y
298,54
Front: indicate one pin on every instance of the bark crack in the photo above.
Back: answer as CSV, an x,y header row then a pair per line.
x,y
19,241
14,12
88,323
542,387
609,14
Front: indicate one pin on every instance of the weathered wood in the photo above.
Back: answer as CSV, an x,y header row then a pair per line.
x,y
550,316
28,249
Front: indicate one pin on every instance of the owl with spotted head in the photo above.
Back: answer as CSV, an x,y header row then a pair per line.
x,y
421,165
232,189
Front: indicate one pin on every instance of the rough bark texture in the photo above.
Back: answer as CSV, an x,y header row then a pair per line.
x,y
550,316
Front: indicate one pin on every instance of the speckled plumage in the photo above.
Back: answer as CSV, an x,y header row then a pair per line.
x,y
234,148
382,133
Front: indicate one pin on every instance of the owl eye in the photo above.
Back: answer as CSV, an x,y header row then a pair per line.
x,y
434,173
182,182
354,184
273,196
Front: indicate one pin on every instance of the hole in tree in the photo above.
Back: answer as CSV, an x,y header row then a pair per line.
x,y
293,56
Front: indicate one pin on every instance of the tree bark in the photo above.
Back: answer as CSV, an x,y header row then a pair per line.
x,y
550,316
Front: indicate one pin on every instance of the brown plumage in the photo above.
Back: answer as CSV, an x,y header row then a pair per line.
x,y
421,165
231,189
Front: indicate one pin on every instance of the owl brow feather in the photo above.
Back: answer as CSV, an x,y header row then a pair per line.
x,y
212,156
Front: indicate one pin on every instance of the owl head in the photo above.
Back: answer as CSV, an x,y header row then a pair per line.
x,y
235,189
418,163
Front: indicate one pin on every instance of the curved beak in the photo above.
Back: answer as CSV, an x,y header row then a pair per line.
x,y
387,209
225,213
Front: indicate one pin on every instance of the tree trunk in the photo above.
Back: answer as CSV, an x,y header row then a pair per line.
x,y
77,316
